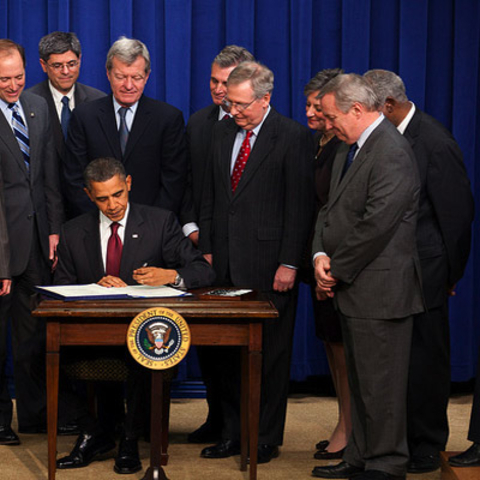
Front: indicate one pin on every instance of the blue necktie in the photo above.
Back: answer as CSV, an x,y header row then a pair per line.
x,y
65,115
351,153
123,130
21,133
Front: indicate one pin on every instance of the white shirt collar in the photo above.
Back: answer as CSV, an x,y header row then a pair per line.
x,y
368,131
404,123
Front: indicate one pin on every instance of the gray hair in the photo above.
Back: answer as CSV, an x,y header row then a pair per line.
x,y
127,50
351,88
260,77
57,43
103,169
386,84
232,55
317,82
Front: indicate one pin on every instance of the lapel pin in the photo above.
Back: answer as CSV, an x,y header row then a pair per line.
x,y
32,114
134,235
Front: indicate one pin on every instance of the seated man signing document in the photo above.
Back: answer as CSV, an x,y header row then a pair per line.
x,y
122,244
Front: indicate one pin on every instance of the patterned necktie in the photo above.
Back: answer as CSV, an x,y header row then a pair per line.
x,y
65,116
114,251
21,133
351,153
226,116
241,161
123,130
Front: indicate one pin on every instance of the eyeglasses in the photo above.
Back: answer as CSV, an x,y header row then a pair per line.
x,y
239,106
72,65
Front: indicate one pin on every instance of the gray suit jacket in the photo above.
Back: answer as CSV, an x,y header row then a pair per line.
x,y
30,199
368,229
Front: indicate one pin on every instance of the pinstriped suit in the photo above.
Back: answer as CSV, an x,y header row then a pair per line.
x,y
264,224
33,210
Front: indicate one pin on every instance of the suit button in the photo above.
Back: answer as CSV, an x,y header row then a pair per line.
x,y
30,216
232,211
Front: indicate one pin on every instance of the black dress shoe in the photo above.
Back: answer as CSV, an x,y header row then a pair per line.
x,y
85,450
206,433
322,445
266,453
326,455
224,449
424,464
342,470
68,429
378,475
8,436
468,458
128,459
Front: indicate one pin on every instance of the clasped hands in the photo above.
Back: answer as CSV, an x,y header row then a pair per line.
x,y
325,280
152,276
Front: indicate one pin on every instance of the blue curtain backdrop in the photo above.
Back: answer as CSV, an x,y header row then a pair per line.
x,y
433,45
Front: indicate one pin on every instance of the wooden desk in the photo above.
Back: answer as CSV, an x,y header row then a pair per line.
x,y
211,322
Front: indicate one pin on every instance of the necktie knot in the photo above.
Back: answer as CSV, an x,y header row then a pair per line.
x,y
114,226
65,101
13,107
123,112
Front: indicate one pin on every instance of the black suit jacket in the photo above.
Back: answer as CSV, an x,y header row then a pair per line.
x,y
30,200
199,134
155,154
83,94
267,221
152,235
446,206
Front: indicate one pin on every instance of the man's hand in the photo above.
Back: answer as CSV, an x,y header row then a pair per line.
x,y
284,279
52,249
154,276
111,281
5,286
322,295
209,258
325,281
194,237
451,290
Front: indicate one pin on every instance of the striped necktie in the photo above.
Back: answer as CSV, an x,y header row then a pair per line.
x,y
123,130
21,133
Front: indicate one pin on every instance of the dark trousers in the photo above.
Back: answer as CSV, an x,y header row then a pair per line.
x,y
429,383
28,346
474,430
377,355
277,352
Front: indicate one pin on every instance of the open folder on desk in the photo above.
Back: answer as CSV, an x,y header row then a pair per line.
x,y
93,291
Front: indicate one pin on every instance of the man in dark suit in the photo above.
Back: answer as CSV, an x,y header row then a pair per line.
x,y
199,133
365,257
60,58
443,242
32,211
147,135
254,225
146,235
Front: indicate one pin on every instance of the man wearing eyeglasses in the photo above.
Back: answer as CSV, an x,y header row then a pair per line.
x,y
199,134
254,222
60,58
147,135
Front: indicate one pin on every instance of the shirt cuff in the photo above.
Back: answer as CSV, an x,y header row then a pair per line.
x,y
189,228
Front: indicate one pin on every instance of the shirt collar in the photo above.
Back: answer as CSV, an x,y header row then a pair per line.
x,y
57,96
105,222
117,106
256,130
368,131
404,123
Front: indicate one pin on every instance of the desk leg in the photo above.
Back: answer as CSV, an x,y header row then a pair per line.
x,y
155,471
52,361
255,376
244,406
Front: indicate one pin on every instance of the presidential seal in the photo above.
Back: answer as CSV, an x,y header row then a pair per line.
x,y
158,338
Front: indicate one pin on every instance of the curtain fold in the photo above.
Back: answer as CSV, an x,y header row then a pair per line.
x,y
434,45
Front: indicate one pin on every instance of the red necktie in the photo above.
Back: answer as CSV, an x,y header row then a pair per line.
x,y
114,251
241,161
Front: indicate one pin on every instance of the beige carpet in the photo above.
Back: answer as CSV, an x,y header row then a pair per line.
x,y
309,420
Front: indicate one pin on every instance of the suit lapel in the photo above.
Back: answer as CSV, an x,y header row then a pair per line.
x,y
8,138
106,118
55,121
226,154
92,244
413,128
143,116
264,143
132,251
